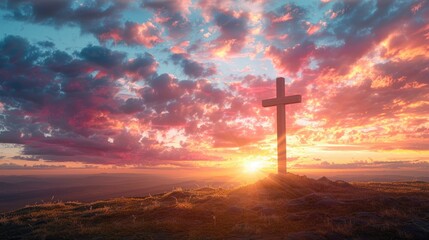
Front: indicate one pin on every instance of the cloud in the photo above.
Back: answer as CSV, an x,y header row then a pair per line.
x,y
142,67
132,105
233,32
366,164
343,40
102,56
232,26
13,166
162,89
285,26
172,15
291,60
146,34
69,112
235,135
74,112
90,16
100,18
359,76
192,68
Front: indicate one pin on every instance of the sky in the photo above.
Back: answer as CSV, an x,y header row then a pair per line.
x,y
107,85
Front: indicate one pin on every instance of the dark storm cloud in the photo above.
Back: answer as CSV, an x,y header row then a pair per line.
x,y
192,68
46,44
162,89
99,17
17,52
141,67
102,56
115,63
133,105
90,15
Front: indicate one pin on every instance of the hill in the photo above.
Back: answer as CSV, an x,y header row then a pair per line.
x,y
18,191
277,207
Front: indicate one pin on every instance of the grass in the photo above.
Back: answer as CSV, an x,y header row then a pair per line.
x,y
288,207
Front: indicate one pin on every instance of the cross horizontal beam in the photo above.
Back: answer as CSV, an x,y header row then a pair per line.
x,y
281,101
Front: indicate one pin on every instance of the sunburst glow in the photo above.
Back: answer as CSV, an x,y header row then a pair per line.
x,y
253,166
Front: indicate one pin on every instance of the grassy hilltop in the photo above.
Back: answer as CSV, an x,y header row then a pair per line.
x,y
277,207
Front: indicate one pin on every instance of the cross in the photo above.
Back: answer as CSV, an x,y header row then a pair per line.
x,y
280,101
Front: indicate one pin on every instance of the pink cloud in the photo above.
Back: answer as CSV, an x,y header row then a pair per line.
x,y
292,59
233,28
313,28
283,18
145,34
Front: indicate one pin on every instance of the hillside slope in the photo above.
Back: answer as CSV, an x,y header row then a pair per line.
x,y
277,207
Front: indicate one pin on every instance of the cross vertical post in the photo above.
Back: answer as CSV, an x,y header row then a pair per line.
x,y
281,127
280,101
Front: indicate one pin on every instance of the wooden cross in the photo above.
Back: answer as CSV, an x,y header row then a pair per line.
x,y
280,101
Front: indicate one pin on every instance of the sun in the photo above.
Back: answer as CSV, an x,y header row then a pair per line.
x,y
253,166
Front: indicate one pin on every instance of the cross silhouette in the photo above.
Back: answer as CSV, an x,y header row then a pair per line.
x,y
280,101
